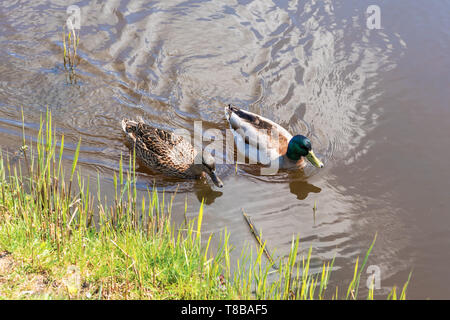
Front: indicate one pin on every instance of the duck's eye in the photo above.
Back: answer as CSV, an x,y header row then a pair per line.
x,y
308,145
304,151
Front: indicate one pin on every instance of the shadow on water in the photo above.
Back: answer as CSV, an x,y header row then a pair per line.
x,y
205,192
299,186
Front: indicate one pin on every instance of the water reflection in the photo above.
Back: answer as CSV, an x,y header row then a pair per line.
x,y
299,186
310,66
205,192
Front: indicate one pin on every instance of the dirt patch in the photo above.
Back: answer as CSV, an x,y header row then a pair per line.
x,y
17,285
6,263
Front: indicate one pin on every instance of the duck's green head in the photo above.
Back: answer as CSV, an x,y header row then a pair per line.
x,y
300,146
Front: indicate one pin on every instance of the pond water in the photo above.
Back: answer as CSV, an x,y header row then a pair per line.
x,y
374,102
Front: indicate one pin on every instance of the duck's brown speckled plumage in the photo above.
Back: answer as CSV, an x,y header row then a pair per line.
x,y
161,150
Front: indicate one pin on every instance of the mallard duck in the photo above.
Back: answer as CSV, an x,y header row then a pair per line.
x,y
169,153
256,136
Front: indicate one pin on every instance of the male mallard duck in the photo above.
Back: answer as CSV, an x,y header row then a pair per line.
x,y
168,153
261,144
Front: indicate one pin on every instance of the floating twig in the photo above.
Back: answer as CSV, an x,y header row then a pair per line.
x,y
258,238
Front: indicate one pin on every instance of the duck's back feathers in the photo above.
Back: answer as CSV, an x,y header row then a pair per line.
x,y
257,121
265,140
160,149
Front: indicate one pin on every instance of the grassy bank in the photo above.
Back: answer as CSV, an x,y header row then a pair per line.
x,y
59,240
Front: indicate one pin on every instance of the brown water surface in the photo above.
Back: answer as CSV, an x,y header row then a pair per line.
x,y
375,104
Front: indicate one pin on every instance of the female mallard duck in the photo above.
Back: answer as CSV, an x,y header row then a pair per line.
x,y
168,153
267,142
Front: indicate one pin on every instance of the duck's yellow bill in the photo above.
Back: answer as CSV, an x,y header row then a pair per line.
x,y
314,160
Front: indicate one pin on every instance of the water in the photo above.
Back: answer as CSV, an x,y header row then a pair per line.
x,y
373,102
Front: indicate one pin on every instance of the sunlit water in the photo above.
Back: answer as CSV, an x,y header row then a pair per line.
x,y
374,103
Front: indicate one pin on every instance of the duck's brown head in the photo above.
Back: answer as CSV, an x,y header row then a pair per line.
x,y
208,167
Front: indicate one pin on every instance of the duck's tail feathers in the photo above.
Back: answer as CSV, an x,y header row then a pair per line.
x,y
229,109
126,124
129,125
129,128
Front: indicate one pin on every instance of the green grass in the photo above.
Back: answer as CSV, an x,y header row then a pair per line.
x,y
59,240
70,46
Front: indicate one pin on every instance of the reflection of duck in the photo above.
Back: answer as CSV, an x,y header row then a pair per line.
x,y
258,134
204,191
168,153
302,188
